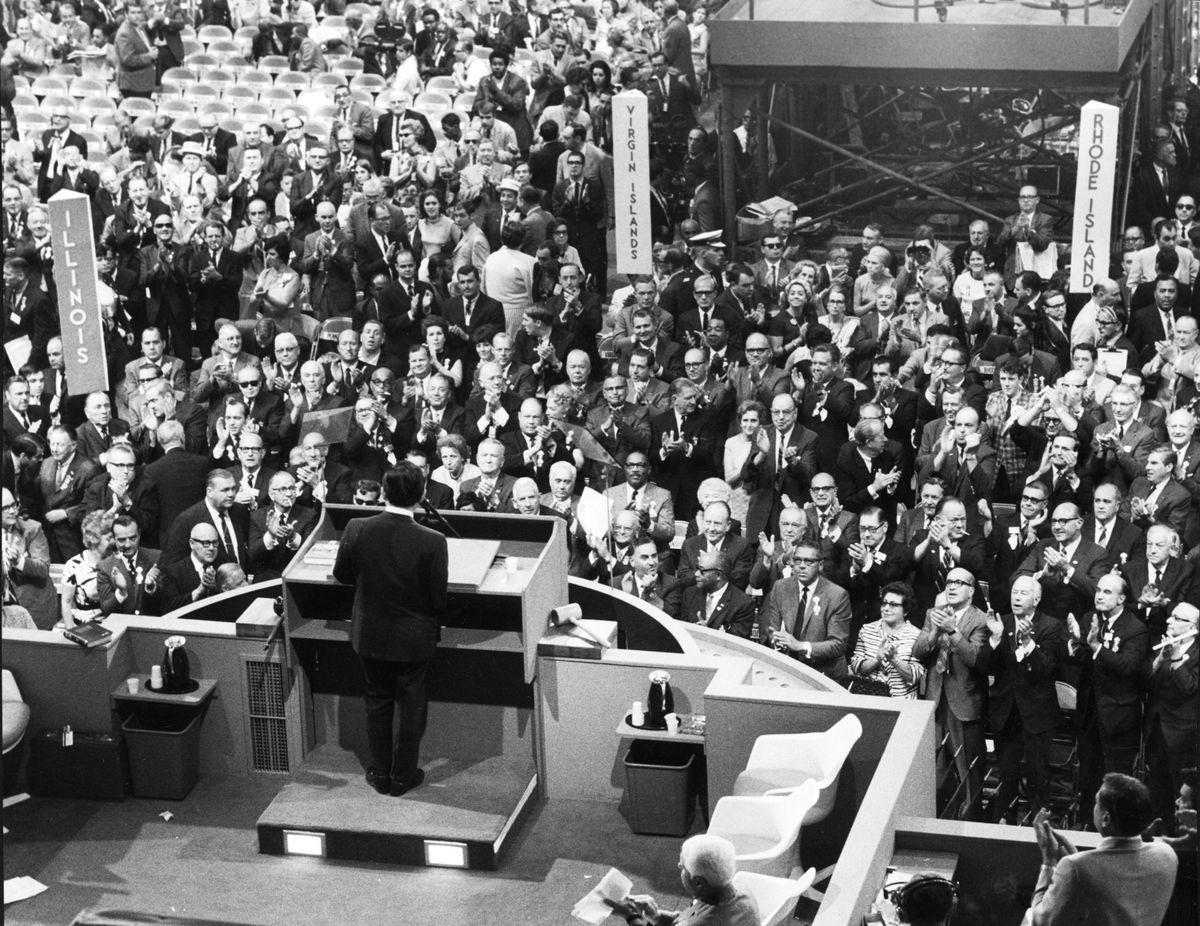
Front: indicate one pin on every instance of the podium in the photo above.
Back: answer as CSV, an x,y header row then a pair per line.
x,y
480,751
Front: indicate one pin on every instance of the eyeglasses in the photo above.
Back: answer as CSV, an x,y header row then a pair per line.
x,y
805,560
249,382
824,488
1185,205
1064,520
1054,305
122,465
162,225
870,527
703,292
701,572
205,543
959,583
258,211
9,507
771,244
287,489
1032,498
151,379
891,604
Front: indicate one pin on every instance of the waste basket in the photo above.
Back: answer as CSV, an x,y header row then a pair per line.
x,y
164,753
659,784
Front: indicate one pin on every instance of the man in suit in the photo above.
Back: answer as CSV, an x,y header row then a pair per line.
x,y
653,505
916,521
193,576
713,601
716,536
946,545
646,580
1157,497
619,426
278,528
54,143
230,522
1013,536
826,524
74,176
866,473
1120,447
681,446
1109,648
133,223
176,478
1156,186
807,616
1153,324
400,571
1067,565
1122,540
216,142
312,187
828,406
26,554
580,202
1123,880
871,563
19,416
953,647
167,272
375,251
1171,710
1026,646
1145,266
1161,579
128,578
218,271
355,116
666,356
966,465
165,366
62,484
328,261
1025,237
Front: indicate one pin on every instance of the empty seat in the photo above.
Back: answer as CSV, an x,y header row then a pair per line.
x,y
372,83
210,34
324,34
103,121
192,47
328,81
258,80
222,109
274,64
293,81
94,106
217,78
348,66
26,102
20,83
201,93
224,48
230,124
50,103
49,86
88,87
238,94
245,37
312,99
775,897
277,98
363,96
326,112
201,60
432,101
32,122
179,77
259,111
94,142
780,763
765,831
442,84
175,108
136,106
187,125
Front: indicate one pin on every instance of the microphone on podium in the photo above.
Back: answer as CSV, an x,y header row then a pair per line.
x,y
437,518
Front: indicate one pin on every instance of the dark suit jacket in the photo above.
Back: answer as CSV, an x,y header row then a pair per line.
x,y
926,581
1172,702
68,495
269,564
179,580
1109,694
733,613
177,480
1125,541
666,594
176,546
1090,563
840,411
793,480
138,599
1178,582
1027,686
399,571
826,625
854,478
1174,507
864,587
1124,464
737,549
91,444
678,473
217,298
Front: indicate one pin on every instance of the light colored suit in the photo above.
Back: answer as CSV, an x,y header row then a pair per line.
x,y
1119,882
1142,268
661,508
825,623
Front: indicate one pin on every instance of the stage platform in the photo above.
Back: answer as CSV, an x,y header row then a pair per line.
x,y
1005,44
476,804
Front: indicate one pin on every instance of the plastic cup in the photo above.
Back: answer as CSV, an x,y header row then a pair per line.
x,y
133,684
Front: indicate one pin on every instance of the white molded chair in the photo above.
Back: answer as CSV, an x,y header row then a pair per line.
x,y
15,714
780,763
775,897
765,831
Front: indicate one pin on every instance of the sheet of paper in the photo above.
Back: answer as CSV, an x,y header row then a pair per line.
x,y
24,887
1112,362
18,350
592,513
592,908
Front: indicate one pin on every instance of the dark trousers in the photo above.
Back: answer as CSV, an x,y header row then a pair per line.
x,y
1100,753
140,94
391,685
1164,767
1013,742
965,750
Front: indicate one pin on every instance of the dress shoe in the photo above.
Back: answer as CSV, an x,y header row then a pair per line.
x,y
403,787
377,781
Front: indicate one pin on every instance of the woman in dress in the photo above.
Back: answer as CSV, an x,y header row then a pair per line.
x,y
599,82
80,578
456,466
745,453
434,327
844,328
437,231
786,331
698,28
969,285
277,287
875,263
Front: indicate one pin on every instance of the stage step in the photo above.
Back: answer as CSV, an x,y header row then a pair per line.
x,y
467,808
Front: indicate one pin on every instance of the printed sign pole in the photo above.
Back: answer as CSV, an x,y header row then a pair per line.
x,y
79,318
631,174
1099,132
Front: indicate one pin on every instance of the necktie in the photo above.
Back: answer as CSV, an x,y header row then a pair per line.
x,y
704,316
771,280
943,656
227,537
1102,535
801,611
1151,575
103,429
780,460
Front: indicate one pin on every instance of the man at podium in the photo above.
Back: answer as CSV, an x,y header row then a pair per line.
x,y
399,572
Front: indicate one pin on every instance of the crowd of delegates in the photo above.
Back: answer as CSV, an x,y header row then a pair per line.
x,y
926,472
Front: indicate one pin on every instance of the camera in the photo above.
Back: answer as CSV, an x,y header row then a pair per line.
x,y
919,252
